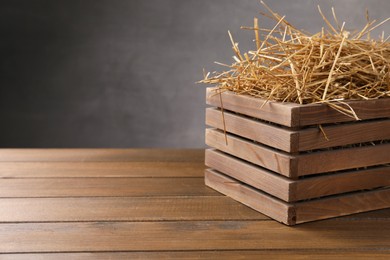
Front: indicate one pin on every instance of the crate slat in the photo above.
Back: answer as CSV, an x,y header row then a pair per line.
x,y
270,111
343,159
313,114
342,205
295,115
344,134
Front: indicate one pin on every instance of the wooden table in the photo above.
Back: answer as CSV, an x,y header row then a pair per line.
x,y
138,203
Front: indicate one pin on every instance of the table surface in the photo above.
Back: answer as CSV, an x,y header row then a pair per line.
x,y
153,204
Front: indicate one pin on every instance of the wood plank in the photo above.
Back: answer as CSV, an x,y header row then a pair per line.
x,y
295,115
276,112
315,114
255,199
99,155
342,159
299,212
124,209
226,254
135,209
258,154
257,177
193,235
301,189
100,169
90,187
342,205
262,132
344,134
337,183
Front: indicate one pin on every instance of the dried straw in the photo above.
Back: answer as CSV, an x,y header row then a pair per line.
x,y
289,65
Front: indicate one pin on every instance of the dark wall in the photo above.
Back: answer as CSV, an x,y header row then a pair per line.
x,y
116,73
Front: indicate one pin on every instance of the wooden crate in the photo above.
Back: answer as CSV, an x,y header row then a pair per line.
x,y
278,161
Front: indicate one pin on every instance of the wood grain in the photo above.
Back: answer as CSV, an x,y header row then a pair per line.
x,y
342,159
337,183
100,169
321,254
192,235
276,112
342,205
99,155
91,187
314,114
344,134
295,115
124,209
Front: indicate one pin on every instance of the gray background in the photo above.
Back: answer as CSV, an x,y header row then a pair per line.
x,y
116,73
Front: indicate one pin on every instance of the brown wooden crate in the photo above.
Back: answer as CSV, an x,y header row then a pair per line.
x,y
299,212
301,139
295,115
278,148
301,189
294,166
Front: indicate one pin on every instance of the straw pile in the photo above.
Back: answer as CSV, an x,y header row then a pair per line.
x,y
290,65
